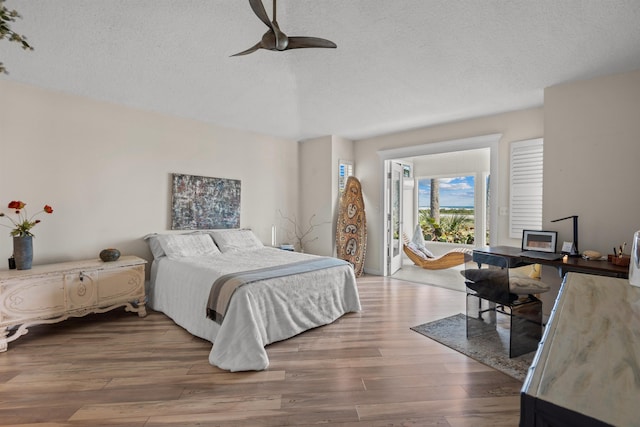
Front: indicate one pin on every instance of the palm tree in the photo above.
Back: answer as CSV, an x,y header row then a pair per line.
x,y
435,199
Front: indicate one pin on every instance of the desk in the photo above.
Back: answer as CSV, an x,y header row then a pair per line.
x,y
496,254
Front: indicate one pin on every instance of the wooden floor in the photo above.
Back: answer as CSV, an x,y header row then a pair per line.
x,y
366,369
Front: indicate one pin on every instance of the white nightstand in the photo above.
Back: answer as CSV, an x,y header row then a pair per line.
x,y
54,292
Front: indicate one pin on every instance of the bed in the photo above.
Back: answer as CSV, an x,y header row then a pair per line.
x,y
261,312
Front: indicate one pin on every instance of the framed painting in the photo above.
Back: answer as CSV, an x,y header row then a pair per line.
x,y
204,203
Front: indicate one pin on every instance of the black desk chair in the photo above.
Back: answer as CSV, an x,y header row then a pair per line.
x,y
490,293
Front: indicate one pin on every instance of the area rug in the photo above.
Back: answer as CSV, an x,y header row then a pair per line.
x,y
490,347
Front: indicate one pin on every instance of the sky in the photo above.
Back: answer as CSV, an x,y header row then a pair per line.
x,y
453,191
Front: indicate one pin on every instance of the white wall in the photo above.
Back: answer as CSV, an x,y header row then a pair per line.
x,y
452,164
319,193
341,149
513,126
106,171
591,157
592,160
315,194
461,163
591,132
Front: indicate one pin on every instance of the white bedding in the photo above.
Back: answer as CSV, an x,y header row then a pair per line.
x,y
259,313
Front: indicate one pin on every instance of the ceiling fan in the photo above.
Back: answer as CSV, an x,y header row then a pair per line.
x,y
274,39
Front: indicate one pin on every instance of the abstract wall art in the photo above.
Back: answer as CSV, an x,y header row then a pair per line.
x,y
204,203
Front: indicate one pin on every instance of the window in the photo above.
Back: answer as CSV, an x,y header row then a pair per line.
x,y
345,170
525,201
447,208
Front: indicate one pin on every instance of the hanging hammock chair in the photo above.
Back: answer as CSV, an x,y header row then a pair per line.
x,y
450,259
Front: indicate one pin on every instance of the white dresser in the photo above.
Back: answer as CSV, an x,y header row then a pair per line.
x,y
54,292
587,368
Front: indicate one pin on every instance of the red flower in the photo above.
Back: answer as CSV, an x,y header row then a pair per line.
x,y
16,204
22,225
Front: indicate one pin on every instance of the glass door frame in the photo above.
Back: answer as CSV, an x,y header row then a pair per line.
x,y
490,141
395,216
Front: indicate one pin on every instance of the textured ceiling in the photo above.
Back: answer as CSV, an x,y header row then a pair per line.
x,y
399,64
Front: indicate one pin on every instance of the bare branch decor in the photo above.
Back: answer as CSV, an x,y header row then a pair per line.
x,y
301,233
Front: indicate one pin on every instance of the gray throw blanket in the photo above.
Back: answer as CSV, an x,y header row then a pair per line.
x,y
224,287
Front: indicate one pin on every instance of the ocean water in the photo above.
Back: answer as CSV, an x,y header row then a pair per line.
x,y
448,207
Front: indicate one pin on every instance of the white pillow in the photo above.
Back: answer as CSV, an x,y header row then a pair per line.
x,y
154,245
418,241
414,248
236,240
525,285
177,246
532,271
418,237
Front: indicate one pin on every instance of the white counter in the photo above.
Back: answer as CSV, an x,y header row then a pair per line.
x,y
588,362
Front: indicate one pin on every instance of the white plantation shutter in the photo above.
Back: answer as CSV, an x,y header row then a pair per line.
x,y
525,204
345,170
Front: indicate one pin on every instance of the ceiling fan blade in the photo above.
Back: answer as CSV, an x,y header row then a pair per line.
x,y
281,41
304,42
259,10
275,39
250,50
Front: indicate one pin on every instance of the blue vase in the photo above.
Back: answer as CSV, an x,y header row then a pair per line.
x,y
23,252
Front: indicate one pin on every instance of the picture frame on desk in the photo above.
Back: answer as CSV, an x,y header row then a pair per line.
x,y
535,240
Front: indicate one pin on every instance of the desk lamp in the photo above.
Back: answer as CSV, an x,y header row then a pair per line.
x,y
574,248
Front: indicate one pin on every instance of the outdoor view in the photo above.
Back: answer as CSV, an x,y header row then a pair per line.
x,y
446,209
